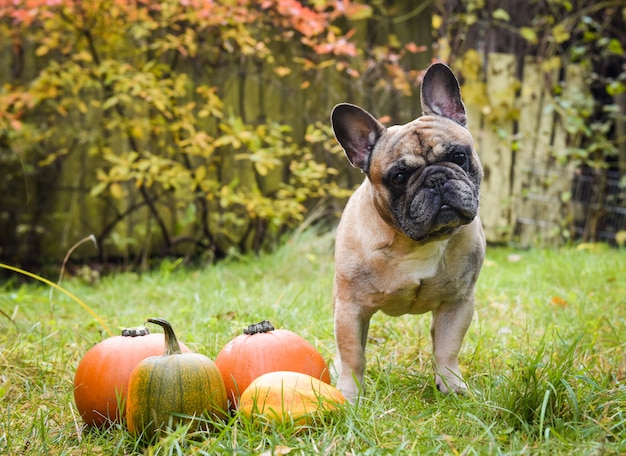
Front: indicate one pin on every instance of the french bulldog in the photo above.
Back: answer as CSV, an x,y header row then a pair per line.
x,y
410,238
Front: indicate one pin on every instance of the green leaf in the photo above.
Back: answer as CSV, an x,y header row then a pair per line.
x,y
615,88
529,35
109,103
501,14
98,188
615,47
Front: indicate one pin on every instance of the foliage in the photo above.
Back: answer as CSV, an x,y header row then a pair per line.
x,y
573,52
168,112
544,357
559,34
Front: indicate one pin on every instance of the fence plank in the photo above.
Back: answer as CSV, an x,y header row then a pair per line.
x,y
542,214
496,153
536,125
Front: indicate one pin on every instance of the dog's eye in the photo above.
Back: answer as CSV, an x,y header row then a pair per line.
x,y
459,158
399,178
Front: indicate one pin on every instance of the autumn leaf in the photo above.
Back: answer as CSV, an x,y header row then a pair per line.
x,y
116,190
201,173
282,71
303,19
337,45
560,33
277,451
414,48
356,11
620,238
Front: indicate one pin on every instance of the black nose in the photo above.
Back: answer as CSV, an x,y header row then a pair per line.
x,y
435,180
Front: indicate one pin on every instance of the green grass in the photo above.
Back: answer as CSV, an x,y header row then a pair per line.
x,y
544,357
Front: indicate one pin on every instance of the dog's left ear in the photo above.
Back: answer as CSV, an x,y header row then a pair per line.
x,y
441,94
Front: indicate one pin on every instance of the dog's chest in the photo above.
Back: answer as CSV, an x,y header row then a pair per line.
x,y
397,292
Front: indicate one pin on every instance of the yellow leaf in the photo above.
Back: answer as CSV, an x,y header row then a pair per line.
x,y
471,65
277,451
116,190
42,50
560,33
529,35
436,21
282,71
82,56
620,238
551,64
261,169
200,173
594,247
501,14
394,41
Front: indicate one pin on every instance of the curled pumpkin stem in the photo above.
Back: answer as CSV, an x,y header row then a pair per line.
x,y
260,327
171,343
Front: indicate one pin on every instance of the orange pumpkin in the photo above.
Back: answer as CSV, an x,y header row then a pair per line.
x,y
101,379
289,397
262,349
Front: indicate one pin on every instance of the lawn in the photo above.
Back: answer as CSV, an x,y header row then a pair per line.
x,y
544,357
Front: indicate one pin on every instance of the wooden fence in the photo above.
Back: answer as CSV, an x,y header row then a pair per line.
x,y
528,195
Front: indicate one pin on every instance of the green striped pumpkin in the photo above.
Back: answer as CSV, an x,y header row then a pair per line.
x,y
164,391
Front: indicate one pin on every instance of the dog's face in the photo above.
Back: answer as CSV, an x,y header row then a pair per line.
x,y
425,175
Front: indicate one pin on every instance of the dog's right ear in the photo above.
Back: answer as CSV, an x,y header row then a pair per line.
x,y
357,131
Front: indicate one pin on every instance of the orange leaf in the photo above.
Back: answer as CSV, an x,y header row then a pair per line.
x,y
414,48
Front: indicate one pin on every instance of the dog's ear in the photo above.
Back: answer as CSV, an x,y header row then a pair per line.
x,y
441,94
357,131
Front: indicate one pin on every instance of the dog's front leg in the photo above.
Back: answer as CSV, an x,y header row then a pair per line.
x,y
351,328
449,325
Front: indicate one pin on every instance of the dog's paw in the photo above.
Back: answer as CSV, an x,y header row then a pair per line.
x,y
451,385
349,389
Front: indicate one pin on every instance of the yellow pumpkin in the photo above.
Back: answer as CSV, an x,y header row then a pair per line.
x,y
262,349
284,396
166,390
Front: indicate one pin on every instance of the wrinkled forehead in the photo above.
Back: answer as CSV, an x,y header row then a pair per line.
x,y
424,139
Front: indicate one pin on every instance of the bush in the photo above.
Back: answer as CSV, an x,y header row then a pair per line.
x,y
176,127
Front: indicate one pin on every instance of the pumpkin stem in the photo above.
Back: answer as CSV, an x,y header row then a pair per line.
x,y
135,331
171,343
260,327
